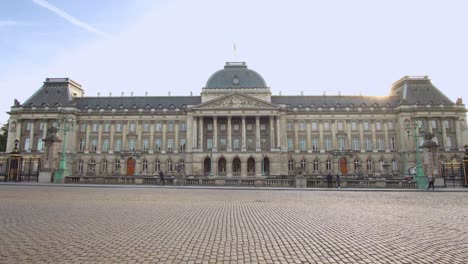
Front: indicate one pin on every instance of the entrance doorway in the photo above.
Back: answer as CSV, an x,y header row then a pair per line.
x,y
131,167
207,166
343,166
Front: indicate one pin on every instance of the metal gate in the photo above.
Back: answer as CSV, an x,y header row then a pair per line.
x,y
453,175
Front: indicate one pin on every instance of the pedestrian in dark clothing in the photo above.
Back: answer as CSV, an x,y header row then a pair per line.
x,y
338,181
431,182
329,180
161,177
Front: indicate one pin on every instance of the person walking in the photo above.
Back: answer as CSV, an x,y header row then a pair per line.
x,y
329,180
431,182
338,181
161,177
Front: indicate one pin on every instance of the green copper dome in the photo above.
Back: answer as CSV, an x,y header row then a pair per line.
x,y
236,75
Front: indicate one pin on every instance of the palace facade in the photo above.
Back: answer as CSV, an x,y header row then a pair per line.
x,y
237,128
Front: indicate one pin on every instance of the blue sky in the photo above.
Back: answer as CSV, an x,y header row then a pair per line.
x,y
347,47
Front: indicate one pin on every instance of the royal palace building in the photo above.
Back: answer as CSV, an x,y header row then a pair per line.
x,y
237,128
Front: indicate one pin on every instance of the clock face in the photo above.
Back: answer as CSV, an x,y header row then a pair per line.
x,y
235,81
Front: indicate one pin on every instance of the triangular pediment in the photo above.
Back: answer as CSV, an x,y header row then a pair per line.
x,y
236,101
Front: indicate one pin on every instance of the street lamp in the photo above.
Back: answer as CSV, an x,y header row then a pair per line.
x,y
66,124
421,181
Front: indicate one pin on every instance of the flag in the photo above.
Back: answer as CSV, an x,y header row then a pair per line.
x,y
235,50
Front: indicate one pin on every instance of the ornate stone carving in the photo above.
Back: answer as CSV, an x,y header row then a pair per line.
x,y
236,101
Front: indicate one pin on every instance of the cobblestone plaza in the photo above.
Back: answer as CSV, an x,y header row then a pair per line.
x,y
44,224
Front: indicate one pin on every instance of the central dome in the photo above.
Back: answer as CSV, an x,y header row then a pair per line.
x,y
236,75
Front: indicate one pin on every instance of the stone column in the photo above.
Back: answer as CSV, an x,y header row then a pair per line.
x,y
112,135
361,137
124,136
386,141
321,145
200,144
278,133
458,135
176,136
31,136
44,132
164,137
309,136
374,140
444,133
272,132
229,137
189,134
195,133
282,130
333,125
99,147
138,132
257,134
215,134
229,168
151,142
349,132
296,136
88,131
244,147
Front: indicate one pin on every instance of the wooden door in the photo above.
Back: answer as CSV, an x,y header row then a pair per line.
x,y
130,167
343,166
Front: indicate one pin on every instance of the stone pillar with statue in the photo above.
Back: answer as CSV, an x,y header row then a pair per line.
x,y
50,156
430,158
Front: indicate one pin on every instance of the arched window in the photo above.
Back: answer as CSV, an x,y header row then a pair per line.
x,y
157,165
181,167
290,165
236,166
169,165
303,164
80,166
117,165
369,165
381,164
328,165
316,165
144,166
357,165
394,165
92,165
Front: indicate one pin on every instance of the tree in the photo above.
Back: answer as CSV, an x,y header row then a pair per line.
x,y
3,137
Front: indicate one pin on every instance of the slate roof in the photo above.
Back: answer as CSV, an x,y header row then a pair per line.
x,y
419,90
236,70
50,94
143,102
336,101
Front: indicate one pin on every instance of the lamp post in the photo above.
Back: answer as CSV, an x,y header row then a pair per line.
x,y
66,125
421,181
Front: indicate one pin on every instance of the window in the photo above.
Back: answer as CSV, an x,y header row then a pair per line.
x,y
236,144
80,166
328,164
157,144
169,166
302,126
381,164
146,127
104,166
27,145
118,144
182,143
328,143
41,126
132,127
369,165
28,126
222,127
366,125
222,143
316,165
315,144
290,165
340,126
378,126
144,166
181,167
446,124
314,126
356,145
145,144
391,125
380,143
250,144
209,127
353,125
368,143
290,126
40,144
158,127
326,126
116,165
303,165
341,143
95,127
209,143
106,127
236,126
82,144
94,144
170,144
170,126
357,165
249,126
394,165
131,144
433,124
83,127
262,127
157,165
105,144
290,144
392,143
263,143
183,126
302,143
118,127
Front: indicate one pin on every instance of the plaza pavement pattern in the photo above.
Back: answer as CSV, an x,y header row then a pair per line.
x,y
40,224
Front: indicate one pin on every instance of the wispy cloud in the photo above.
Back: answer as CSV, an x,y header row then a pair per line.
x,y
13,23
68,17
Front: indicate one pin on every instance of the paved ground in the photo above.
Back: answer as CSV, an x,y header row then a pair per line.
x,y
40,224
